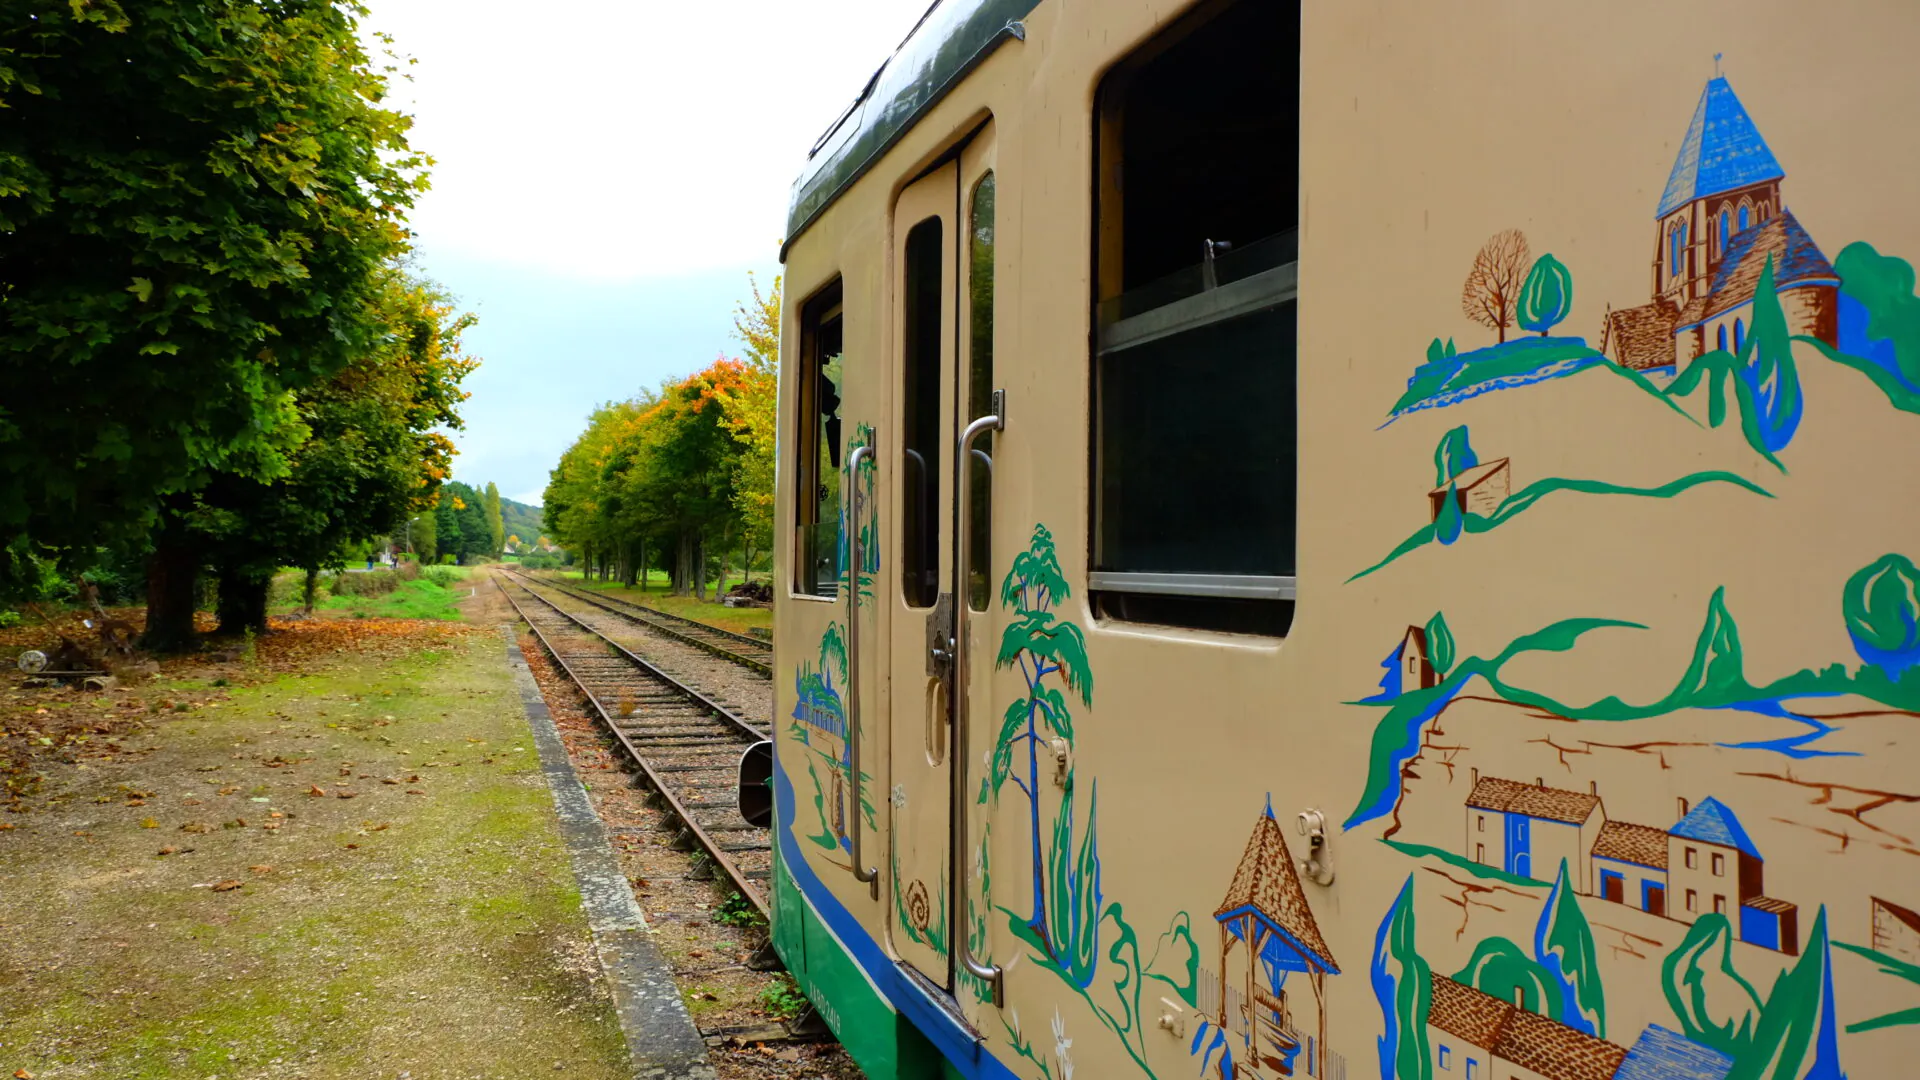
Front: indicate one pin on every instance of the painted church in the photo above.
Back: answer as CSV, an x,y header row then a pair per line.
x,y
1720,217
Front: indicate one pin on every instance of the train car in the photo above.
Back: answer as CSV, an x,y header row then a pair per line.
x,y
1357,540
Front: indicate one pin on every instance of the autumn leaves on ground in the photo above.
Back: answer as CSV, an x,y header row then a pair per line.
x,y
332,855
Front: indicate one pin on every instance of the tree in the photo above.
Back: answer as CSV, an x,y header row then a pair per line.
x,y
1493,285
1545,297
496,525
374,454
751,410
198,198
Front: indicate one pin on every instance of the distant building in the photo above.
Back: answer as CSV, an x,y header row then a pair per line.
x,y
1720,218
1529,829
1479,490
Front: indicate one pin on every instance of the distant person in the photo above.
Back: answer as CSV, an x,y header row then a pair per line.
x,y
369,560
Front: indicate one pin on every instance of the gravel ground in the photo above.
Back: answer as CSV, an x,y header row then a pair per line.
x,y
707,938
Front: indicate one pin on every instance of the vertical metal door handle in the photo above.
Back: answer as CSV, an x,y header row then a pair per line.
x,y
990,974
855,560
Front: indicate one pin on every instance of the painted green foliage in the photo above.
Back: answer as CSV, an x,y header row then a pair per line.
x,y
818,700
1403,985
1715,678
1882,608
1763,377
869,523
935,935
1563,944
1715,1004
1546,296
1883,287
1789,1035
1454,455
1889,965
1070,929
1504,970
1439,645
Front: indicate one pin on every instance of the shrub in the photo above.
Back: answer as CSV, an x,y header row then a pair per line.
x,y
443,576
368,583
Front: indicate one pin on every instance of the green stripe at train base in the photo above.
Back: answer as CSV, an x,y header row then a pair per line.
x,y
881,1041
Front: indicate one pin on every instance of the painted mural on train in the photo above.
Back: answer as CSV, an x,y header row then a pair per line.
x,y
1550,863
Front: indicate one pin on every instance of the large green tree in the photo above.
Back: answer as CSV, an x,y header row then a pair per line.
x,y
197,199
375,454
496,525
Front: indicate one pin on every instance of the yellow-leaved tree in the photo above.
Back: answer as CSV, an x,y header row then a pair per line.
x,y
751,409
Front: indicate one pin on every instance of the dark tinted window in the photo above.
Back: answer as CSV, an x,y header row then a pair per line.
x,y
818,446
920,418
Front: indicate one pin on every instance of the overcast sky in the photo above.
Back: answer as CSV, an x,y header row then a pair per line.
x,y
607,172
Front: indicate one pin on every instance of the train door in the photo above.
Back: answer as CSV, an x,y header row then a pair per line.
x,y
937,381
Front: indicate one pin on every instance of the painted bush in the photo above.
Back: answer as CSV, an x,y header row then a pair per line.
x,y
1546,296
1882,606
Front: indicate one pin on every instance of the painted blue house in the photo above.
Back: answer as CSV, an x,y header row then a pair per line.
x,y
1714,866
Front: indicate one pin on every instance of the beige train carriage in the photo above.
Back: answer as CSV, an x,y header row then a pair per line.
x,y
1358,539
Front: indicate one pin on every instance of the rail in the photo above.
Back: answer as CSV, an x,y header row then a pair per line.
x,y
669,730
738,648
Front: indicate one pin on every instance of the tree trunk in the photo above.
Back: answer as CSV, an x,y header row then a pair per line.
x,y
645,568
700,569
173,578
312,586
683,565
243,601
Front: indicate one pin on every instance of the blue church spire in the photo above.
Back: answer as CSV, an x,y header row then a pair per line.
x,y
1722,150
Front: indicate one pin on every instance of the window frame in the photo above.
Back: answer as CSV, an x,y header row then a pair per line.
x,y
1210,599
823,306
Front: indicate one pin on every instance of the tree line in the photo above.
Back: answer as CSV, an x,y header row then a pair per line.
x,y
217,359
680,478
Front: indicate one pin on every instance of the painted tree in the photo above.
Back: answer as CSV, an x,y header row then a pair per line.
x,y
1493,283
1715,1005
1763,377
1563,944
1882,608
1546,296
1051,657
1797,1036
198,200
1403,985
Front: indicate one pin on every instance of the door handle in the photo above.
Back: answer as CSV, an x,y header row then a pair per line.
x,y
991,974
855,561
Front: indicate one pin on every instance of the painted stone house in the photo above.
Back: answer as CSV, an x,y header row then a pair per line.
x,y
1476,1036
1720,218
1479,490
1530,829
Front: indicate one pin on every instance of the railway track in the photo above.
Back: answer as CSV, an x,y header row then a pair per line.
x,y
686,744
748,652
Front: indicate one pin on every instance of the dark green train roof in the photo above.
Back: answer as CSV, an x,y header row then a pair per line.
x,y
951,38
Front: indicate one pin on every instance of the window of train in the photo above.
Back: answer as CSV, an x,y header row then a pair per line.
x,y
920,418
980,388
1195,426
818,445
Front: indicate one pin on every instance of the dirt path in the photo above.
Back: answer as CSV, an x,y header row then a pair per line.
x,y
350,872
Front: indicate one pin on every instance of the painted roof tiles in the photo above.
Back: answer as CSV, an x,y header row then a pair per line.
x,y
1551,804
1660,1054
1545,1047
1555,1050
1466,1013
1642,845
1796,259
1722,150
1713,823
1266,883
1770,904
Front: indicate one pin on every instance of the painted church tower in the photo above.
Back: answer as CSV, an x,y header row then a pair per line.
x,y
1724,181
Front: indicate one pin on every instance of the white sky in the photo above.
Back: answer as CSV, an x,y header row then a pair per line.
x,y
601,157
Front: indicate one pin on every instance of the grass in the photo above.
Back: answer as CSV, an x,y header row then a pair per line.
x,y
429,926
738,620
417,599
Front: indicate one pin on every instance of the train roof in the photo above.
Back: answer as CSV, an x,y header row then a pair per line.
x,y
950,39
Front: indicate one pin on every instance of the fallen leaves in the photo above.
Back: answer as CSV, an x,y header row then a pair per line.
x,y
168,850
196,827
317,792
149,823
228,885
261,869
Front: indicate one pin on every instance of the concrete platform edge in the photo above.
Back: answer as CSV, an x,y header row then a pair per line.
x,y
661,1036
